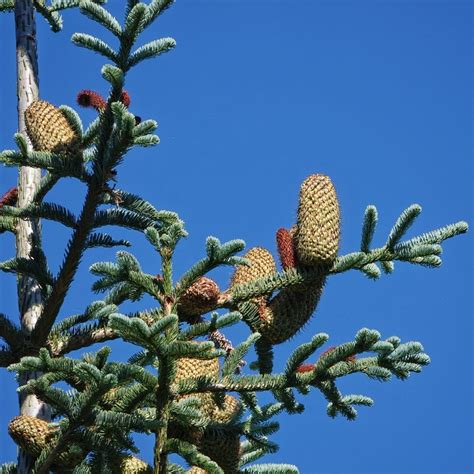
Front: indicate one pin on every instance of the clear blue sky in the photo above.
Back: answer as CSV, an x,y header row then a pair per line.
x,y
258,95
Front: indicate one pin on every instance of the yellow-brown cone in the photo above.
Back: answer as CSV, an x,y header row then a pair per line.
x,y
229,409
318,228
30,433
196,470
33,435
261,264
194,368
201,297
133,465
49,130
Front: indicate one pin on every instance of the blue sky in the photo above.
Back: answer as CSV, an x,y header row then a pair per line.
x,y
257,96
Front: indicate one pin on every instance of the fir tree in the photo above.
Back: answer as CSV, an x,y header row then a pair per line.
x,y
187,385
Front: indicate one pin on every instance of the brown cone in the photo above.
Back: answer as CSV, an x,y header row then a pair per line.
x,y
49,130
201,297
317,233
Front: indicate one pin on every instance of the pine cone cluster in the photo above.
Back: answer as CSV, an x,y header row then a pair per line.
x,y
312,243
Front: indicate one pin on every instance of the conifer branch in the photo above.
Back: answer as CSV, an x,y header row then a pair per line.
x,y
7,5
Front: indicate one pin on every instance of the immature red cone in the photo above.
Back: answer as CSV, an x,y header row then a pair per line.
x,y
125,99
201,297
88,98
49,130
10,198
351,358
33,435
286,249
318,228
304,368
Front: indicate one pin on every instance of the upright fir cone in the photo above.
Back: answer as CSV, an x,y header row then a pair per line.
x,y
187,368
313,242
261,264
318,227
133,465
200,298
49,130
33,435
316,242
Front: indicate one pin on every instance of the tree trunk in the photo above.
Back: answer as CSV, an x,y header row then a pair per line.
x,y
28,231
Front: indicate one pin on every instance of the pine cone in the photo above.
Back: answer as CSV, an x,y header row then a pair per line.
x,y
317,233
201,297
289,311
229,409
196,470
33,435
49,130
223,447
194,368
133,465
261,264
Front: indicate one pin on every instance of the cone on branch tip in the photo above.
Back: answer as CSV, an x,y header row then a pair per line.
x,y
49,130
318,227
313,243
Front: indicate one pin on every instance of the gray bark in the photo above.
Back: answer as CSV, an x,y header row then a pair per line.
x,y
28,231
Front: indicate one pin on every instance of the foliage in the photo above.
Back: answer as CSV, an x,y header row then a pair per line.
x,y
177,386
